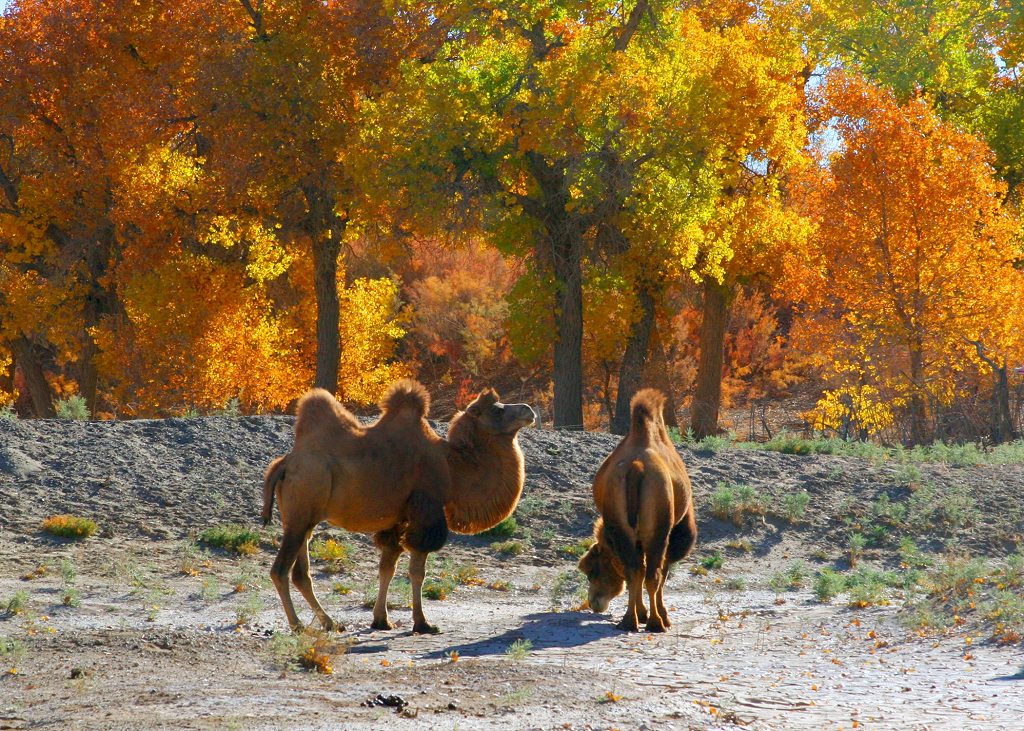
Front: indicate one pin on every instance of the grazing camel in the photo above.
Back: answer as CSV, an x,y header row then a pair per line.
x,y
647,521
396,479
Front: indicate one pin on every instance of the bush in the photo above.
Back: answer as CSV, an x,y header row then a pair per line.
x,y
828,584
73,407
794,505
7,413
236,538
69,526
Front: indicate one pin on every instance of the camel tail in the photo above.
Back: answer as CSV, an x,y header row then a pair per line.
x,y
406,394
646,409
275,473
634,481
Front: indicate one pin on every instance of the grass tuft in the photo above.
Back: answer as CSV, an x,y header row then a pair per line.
x,y
70,526
505,529
232,537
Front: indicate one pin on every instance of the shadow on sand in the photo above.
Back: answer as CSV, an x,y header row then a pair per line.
x,y
543,630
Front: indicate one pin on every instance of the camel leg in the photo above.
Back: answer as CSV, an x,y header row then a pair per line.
x,y
427,532
417,571
654,578
291,543
661,601
390,552
634,582
304,583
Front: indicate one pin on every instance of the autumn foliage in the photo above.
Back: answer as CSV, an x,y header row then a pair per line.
x,y
735,202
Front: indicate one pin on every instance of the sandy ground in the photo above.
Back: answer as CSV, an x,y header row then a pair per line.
x,y
151,647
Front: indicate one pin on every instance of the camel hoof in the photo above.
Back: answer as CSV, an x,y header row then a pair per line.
x,y
298,628
628,625
423,628
381,624
655,627
330,625
641,615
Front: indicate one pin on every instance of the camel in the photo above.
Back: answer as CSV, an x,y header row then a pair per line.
x,y
646,521
396,479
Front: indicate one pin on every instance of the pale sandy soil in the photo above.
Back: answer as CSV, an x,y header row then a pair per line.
x,y
147,650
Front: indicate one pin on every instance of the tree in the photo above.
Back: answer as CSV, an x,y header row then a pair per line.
x,y
277,102
916,251
573,132
81,86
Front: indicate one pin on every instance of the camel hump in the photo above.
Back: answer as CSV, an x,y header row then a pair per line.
x,y
407,394
318,409
645,408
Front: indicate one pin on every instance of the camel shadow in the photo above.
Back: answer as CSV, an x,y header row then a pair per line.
x,y
543,630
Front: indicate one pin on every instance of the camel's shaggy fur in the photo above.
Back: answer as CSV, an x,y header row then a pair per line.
x,y
647,520
396,479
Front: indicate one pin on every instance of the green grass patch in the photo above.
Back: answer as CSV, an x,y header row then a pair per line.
x,y
505,529
238,539
712,561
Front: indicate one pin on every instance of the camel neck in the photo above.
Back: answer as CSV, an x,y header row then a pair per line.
x,y
487,476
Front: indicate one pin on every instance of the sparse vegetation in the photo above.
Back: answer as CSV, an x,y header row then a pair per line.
x,y
70,526
18,603
570,585
248,609
7,413
740,544
70,596
507,548
734,502
236,538
11,649
311,652
856,548
232,408
211,589
335,555
193,558
794,577
577,549
519,649
399,593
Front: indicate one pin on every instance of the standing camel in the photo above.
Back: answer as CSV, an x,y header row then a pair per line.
x,y
396,479
647,521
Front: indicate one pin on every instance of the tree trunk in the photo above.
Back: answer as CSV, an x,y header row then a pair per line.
x,y
659,377
25,358
568,365
326,249
631,371
707,397
1002,417
918,428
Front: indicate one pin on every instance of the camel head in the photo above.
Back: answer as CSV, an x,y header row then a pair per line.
x,y
605,577
494,417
